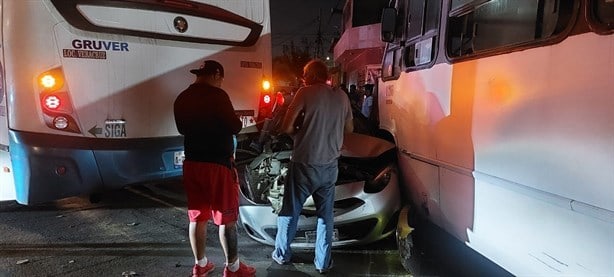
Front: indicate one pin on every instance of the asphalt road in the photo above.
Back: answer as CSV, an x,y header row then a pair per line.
x,y
142,231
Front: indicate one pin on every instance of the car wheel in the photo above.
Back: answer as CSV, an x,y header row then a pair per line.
x,y
408,253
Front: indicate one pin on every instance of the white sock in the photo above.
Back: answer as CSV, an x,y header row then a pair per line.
x,y
233,267
202,262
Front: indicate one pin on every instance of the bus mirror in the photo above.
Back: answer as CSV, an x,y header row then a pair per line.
x,y
389,22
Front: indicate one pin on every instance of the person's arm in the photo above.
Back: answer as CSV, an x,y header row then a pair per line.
x,y
230,119
349,125
179,113
294,110
349,118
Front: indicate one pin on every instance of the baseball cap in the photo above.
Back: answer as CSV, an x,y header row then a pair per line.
x,y
209,67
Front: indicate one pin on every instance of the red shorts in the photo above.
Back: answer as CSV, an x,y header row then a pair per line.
x,y
212,191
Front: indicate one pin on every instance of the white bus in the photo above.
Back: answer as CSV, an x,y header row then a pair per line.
x,y
503,114
87,87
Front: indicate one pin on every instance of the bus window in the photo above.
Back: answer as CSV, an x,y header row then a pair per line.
x,y
420,53
393,20
389,19
416,19
602,14
479,26
134,18
365,9
391,67
463,6
423,29
432,16
423,19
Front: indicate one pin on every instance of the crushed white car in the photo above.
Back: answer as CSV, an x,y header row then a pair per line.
x,y
367,197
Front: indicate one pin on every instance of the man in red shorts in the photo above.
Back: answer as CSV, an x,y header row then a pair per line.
x,y
205,117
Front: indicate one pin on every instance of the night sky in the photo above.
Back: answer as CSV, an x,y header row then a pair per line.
x,y
297,19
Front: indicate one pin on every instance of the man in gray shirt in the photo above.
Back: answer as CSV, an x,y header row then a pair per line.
x,y
313,168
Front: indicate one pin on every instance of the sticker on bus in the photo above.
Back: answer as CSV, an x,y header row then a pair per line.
x,y
115,128
179,158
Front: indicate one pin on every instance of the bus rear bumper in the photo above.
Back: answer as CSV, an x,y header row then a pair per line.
x,y
51,167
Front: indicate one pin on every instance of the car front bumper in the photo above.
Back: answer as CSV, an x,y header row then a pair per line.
x,y
360,217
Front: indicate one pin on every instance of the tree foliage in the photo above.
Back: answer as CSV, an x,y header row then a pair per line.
x,y
288,67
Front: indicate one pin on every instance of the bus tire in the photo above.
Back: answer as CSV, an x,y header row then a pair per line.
x,y
95,198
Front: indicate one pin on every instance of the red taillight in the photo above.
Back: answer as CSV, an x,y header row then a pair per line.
x,y
280,99
266,99
52,102
265,105
55,101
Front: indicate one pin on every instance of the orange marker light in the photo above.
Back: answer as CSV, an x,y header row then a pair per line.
x,y
47,81
266,85
51,80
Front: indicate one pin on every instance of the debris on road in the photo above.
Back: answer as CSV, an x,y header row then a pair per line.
x,y
129,273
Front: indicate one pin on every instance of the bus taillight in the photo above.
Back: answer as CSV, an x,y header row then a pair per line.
x,y
55,101
266,99
280,100
266,85
51,80
265,106
61,122
52,102
47,81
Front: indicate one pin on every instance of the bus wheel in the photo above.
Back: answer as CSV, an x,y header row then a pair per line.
x,y
408,253
95,198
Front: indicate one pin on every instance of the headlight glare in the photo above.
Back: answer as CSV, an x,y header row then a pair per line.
x,y
379,181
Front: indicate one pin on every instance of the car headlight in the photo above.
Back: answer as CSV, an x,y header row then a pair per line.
x,y
379,181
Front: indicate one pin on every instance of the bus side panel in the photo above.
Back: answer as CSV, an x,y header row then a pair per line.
x,y
433,131
521,156
543,118
543,137
7,183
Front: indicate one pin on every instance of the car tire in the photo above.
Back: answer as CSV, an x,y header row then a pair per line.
x,y
409,254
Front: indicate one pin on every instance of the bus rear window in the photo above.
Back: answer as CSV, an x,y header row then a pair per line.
x,y
170,20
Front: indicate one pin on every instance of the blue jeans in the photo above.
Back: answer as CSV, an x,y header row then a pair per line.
x,y
304,180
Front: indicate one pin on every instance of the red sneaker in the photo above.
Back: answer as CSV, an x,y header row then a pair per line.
x,y
244,271
202,271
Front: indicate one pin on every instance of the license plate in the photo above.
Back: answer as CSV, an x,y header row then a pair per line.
x,y
310,236
179,157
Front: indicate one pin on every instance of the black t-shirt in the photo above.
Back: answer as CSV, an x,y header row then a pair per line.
x,y
205,117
